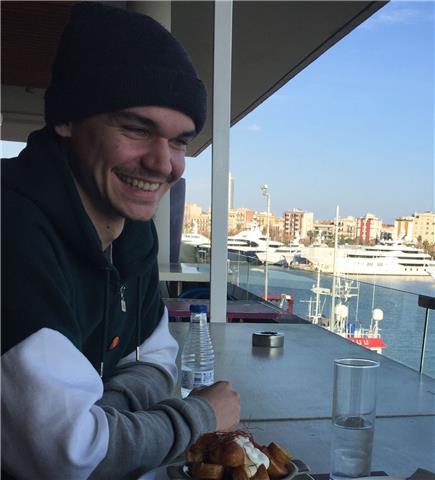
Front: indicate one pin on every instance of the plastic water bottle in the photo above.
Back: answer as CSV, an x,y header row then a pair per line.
x,y
197,356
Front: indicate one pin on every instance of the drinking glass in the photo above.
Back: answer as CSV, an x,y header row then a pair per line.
x,y
353,417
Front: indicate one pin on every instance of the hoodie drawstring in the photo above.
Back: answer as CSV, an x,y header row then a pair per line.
x,y
138,316
105,320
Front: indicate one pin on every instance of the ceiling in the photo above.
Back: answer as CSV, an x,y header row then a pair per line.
x,y
272,42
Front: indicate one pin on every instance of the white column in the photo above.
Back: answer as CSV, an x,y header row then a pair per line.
x,y
220,158
160,11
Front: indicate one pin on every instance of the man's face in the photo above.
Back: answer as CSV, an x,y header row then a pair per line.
x,y
124,162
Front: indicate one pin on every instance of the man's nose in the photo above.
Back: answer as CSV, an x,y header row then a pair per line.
x,y
158,156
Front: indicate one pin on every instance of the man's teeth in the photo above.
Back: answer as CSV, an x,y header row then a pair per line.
x,y
149,187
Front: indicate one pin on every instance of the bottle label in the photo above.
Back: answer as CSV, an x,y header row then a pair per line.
x,y
191,379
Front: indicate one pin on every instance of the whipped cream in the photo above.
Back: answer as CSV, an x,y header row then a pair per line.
x,y
253,456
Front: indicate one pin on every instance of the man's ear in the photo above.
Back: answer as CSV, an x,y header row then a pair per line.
x,y
63,130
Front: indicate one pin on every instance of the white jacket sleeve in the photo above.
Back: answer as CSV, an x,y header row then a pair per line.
x,y
51,427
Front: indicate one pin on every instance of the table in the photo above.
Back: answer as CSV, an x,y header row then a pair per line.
x,y
184,272
286,395
236,309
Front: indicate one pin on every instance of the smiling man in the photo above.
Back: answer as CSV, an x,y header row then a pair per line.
x,y
88,363
124,162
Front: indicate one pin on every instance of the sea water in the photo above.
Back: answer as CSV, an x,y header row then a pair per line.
x,y
402,326
351,453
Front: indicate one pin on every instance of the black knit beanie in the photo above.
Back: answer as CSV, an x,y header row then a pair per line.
x,y
110,59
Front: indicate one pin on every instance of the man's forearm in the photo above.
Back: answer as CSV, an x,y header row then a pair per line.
x,y
142,441
136,386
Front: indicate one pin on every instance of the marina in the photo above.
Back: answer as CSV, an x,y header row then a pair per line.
x,y
385,258
393,258
250,244
339,321
402,324
366,294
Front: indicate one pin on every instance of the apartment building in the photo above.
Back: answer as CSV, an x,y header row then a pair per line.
x,y
347,227
369,228
276,225
191,211
388,232
424,226
404,228
298,223
239,219
324,231
203,222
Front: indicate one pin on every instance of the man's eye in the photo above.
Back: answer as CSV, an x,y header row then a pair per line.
x,y
180,143
137,131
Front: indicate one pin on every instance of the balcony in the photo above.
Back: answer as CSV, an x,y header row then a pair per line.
x,y
286,392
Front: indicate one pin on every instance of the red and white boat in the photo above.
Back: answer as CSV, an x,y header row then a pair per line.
x,y
342,291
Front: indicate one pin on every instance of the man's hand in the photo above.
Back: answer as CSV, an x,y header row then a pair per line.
x,y
225,402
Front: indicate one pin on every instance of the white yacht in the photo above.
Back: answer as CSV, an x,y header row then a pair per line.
x,y
381,259
189,246
281,255
248,245
194,239
251,244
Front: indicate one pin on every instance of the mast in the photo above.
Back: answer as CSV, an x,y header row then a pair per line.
x,y
334,271
317,304
265,192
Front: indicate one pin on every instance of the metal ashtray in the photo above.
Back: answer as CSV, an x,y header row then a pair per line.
x,y
268,339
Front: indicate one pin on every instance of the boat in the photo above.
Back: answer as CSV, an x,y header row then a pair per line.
x,y
342,292
249,245
431,272
341,322
282,255
393,258
190,243
194,238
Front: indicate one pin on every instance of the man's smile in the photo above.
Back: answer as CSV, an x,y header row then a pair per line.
x,y
139,183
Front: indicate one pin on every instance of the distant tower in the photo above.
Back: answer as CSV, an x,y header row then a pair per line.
x,y
230,191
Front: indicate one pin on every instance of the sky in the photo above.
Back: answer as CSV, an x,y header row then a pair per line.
x,y
355,128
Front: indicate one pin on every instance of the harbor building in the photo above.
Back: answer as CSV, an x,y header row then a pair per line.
x,y
347,227
191,212
276,225
324,231
369,228
387,233
297,224
404,228
239,219
424,227
204,223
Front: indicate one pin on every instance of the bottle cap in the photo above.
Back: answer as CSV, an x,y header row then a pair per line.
x,y
198,308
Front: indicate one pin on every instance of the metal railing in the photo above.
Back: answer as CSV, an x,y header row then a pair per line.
x,y
402,316
428,303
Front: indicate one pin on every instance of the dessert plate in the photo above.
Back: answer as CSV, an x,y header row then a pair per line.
x,y
300,471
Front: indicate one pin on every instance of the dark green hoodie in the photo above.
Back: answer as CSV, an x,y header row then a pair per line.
x,y
62,305
62,265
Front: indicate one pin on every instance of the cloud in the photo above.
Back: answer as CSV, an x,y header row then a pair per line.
x,y
404,15
254,127
397,13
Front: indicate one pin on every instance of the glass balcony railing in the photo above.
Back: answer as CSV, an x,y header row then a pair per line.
x,y
385,319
